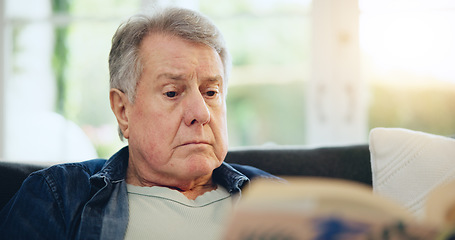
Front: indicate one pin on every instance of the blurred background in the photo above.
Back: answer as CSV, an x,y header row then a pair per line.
x,y
306,72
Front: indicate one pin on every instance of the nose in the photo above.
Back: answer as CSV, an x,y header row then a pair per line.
x,y
196,111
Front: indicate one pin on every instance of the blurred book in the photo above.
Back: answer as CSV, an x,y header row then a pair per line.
x,y
324,209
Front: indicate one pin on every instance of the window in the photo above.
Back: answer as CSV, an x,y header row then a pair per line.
x,y
409,56
56,102
270,45
305,72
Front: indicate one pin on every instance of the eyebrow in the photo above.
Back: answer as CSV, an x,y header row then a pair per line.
x,y
171,76
216,78
178,77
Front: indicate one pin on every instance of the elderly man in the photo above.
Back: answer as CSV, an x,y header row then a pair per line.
x,y
169,77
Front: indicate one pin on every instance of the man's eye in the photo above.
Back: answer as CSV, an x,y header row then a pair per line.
x,y
171,94
211,93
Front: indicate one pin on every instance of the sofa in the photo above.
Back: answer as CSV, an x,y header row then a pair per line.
x,y
342,162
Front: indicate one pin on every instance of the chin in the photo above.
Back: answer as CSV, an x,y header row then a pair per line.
x,y
203,165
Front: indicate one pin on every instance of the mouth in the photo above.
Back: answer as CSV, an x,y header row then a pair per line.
x,y
194,143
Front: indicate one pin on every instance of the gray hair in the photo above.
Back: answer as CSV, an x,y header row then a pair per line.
x,y
125,66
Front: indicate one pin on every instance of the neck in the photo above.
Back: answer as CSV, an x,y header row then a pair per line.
x,y
190,189
198,191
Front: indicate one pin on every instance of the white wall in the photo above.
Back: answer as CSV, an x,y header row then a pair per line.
x,y
337,104
2,79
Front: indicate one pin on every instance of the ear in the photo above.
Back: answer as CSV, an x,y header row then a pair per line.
x,y
119,105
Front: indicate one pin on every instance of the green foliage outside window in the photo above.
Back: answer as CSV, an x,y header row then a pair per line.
x,y
60,56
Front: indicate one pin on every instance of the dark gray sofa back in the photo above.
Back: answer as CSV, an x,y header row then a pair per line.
x,y
345,162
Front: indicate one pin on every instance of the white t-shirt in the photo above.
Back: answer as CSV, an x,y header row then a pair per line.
x,y
164,213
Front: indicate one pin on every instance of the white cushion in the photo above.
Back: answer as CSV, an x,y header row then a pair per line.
x,y
407,165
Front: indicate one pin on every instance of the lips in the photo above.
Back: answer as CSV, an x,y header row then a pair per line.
x,y
194,143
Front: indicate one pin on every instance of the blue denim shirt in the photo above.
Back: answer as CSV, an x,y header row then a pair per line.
x,y
87,200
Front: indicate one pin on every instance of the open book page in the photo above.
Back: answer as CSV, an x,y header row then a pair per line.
x,y
440,208
313,208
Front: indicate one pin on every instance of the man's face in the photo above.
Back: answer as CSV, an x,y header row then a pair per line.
x,y
177,124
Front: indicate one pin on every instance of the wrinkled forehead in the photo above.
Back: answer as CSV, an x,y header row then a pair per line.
x,y
177,58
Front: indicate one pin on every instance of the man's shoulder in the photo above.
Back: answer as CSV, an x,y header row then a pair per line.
x,y
70,170
67,183
251,172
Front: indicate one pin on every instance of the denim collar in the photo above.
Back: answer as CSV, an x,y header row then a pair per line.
x,y
230,178
115,167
